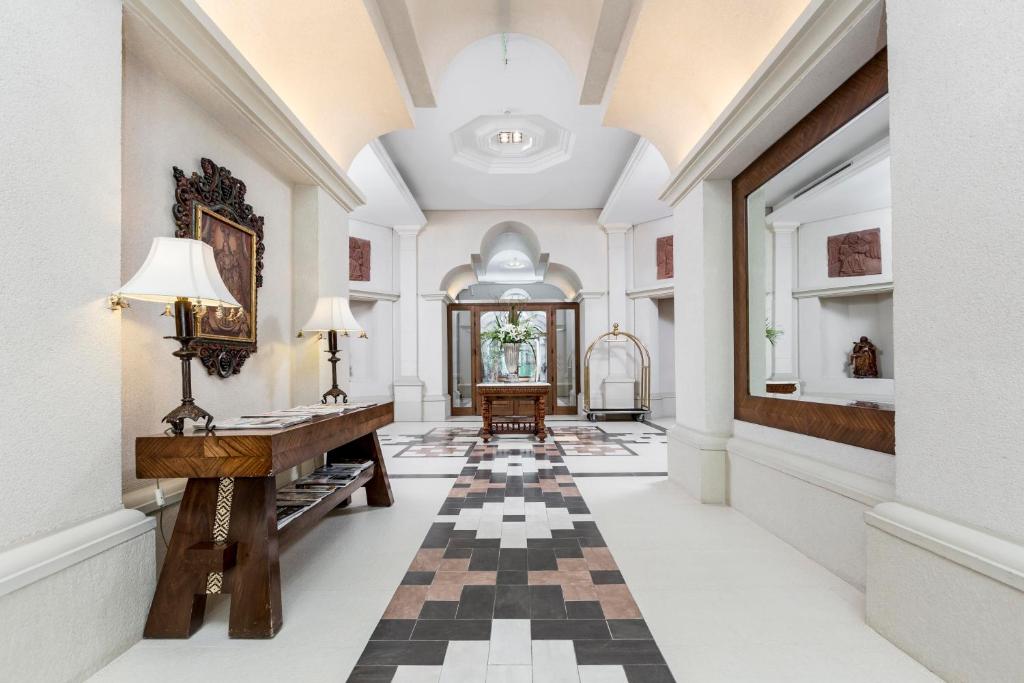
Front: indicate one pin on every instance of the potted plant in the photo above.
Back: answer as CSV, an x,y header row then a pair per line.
x,y
509,333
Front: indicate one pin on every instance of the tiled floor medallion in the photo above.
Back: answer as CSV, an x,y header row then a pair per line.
x,y
512,582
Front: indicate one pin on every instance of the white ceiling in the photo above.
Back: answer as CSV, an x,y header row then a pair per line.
x,y
388,200
635,197
537,81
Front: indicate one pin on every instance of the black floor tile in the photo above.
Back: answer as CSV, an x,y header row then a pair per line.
x,y
513,577
569,629
372,674
418,578
629,629
648,673
592,542
475,542
452,629
513,518
552,543
512,602
615,652
457,553
541,559
399,652
574,552
393,629
512,558
438,535
484,560
583,609
477,603
605,576
439,609
546,602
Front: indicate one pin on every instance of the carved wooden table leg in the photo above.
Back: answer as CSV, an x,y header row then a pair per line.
x,y
538,416
180,599
378,489
485,410
255,583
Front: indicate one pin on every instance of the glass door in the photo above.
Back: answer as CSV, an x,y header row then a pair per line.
x,y
552,357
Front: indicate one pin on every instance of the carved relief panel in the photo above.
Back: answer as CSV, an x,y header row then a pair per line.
x,y
358,259
663,250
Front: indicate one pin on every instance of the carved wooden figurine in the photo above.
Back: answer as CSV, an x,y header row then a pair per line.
x,y
864,359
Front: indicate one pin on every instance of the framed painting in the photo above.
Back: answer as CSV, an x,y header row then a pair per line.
x,y
211,207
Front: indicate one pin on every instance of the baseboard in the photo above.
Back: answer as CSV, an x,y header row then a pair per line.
x,y
812,505
35,560
950,595
696,461
73,601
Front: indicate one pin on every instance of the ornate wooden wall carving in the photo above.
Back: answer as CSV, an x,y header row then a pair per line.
x,y
358,259
859,426
223,194
663,248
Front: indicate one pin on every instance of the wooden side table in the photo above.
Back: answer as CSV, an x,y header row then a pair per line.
x,y
226,537
491,391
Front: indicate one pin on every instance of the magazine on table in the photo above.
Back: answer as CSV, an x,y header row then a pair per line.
x,y
286,513
280,422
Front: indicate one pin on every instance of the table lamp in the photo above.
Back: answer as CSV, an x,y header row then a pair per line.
x,y
182,272
333,316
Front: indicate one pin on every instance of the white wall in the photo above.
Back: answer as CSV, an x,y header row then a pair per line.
x,y
957,145
645,259
382,255
60,74
164,128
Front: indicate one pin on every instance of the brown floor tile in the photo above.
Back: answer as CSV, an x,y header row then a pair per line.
x,y
599,558
427,560
617,602
406,603
579,592
457,564
463,578
572,564
560,578
445,592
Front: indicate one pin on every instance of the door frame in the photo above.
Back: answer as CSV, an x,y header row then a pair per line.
x,y
550,308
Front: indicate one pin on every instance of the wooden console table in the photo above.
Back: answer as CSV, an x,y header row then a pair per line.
x,y
226,536
491,391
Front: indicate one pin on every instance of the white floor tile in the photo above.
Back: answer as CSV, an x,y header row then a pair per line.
x,y
417,674
510,641
468,519
513,535
510,674
602,674
465,661
514,506
554,661
558,518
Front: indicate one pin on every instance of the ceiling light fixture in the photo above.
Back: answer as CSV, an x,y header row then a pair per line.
x,y
510,137
515,263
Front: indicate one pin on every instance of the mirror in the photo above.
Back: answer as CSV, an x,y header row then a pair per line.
x,y
820,281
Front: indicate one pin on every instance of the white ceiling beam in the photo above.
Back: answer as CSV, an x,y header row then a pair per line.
x,y
398,37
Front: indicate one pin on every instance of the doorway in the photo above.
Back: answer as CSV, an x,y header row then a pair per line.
x,y
553,357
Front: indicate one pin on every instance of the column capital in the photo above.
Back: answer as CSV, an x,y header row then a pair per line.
x,y
617,228
781,227
409,230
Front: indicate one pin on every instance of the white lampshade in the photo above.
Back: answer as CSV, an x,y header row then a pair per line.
x,y
179,268
333,313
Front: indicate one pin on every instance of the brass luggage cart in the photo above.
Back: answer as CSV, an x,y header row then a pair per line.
x,y
642,389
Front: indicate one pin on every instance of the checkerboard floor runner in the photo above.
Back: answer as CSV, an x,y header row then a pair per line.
x,y
513,582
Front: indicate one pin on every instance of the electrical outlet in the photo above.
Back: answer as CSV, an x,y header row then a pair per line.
x,y
159,495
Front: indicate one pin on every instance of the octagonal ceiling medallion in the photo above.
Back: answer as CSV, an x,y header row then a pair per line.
x,y
544,144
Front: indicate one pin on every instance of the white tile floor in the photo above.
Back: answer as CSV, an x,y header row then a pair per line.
x,y
725,600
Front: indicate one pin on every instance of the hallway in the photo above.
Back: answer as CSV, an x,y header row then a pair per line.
x,y
723,599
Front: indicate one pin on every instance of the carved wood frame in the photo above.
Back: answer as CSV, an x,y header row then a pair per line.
x,y
858,426
221,193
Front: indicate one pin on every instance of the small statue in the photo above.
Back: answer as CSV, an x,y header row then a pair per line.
x,y
864,359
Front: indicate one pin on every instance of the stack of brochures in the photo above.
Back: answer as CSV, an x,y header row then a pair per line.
x,y
304,493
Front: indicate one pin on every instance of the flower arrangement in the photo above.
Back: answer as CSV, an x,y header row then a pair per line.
x,y
771,333
510,330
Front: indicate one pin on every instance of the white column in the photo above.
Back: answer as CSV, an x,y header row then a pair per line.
x,y
408,385
645,326
433,349
783,305
319,268
619,385
945,562
703,341
593,321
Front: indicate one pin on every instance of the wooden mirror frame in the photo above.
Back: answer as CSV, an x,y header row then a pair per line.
x,y
858,426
